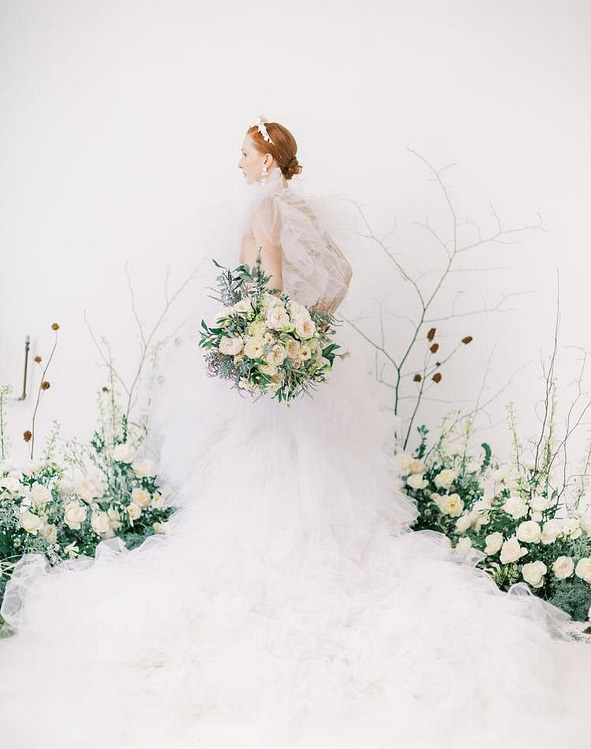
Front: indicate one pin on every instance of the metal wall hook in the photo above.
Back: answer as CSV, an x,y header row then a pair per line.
x,y
25,373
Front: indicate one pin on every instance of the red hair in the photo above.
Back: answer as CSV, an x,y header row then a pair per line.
x,y
283,149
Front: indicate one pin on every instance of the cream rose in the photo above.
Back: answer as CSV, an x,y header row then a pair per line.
x,y
464,546
292,348
306,351
563,567
144,467
277,318
11,484
114,518
417,466
583,569
452,505
529,532
464,523
87,490
276,356
157,502
254,348
533,573
231,346
416,481
49,531
572,528
445,478
123,453
516,507
140,497
551,530
493,543
74,515
40,495
305,328
134,511
511,551
100,523
159,527
539,503
243,306
30,522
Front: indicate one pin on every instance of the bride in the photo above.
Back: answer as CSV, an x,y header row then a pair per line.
x,y
289,605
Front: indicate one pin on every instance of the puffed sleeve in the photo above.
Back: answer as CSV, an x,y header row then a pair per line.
x,y
266,220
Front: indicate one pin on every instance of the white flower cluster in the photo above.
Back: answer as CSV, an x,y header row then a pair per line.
x,y
269,343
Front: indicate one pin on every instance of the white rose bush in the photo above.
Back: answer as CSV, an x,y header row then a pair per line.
x,y
512,514
264,342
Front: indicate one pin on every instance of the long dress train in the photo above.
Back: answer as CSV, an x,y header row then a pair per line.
x,y
288,606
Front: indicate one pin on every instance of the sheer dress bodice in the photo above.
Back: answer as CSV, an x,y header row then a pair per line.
x,y
314,269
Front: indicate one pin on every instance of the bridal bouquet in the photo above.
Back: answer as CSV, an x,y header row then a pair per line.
x,y
265,342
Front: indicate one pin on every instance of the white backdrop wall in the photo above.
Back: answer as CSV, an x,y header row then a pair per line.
x,y
120,135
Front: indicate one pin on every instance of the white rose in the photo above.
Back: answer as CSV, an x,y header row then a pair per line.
x,y
244,305
157,502
533,573
297,310
306,351
30,522
511,551
144,467
402,463
40,495
451,504
114,518
305,328
464,545
277,318
563,567
417,466
87,490
276,355
539,503
140,497
268,369
254,348
529,531
551,530
123,453
572,528
516,507
49,532
583,569
159,527
416,481
65,486
537,516
231,346
134,511
464,523
100,523
493,543
292,348
74,515
445,478
11,484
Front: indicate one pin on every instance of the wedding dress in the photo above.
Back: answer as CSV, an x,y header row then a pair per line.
x,y
289,605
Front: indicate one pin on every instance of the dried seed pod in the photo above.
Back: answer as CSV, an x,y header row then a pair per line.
x,y
38,359
417,378
55,326
45,385
27,435
436,377
431,334
467,339
434,348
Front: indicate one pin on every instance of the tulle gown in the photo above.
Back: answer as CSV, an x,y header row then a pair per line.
x,y
289,605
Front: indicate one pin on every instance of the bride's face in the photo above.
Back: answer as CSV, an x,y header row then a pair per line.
x,y
252,161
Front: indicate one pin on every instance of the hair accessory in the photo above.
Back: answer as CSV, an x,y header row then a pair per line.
x,y
260,123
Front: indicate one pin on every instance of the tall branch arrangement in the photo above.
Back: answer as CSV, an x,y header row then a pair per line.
x,y
395,369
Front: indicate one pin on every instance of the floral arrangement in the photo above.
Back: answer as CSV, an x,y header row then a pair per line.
x,y
510,517
265,342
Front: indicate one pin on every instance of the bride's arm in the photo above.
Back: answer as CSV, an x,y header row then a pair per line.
x,y
271,256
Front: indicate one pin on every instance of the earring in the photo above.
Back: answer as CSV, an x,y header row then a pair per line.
x,y
264,172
